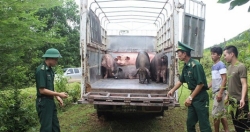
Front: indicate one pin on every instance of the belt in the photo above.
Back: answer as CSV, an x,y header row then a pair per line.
x,y
216,91
46,96
200,91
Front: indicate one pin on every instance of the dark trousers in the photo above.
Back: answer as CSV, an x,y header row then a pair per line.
x,y
199,111
47,114
240,124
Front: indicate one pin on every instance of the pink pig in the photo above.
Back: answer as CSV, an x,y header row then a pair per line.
x,y
123,59
109,64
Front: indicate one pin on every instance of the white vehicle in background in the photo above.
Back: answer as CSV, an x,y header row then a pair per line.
x,y
73,74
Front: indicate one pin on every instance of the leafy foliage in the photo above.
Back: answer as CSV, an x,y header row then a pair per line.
x,y
235,3
60,81
66,20
232,106
17,108
61,85
26,34
29,28
241,41
16,112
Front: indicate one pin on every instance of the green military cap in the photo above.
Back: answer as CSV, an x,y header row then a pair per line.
x,y
52,53
184,47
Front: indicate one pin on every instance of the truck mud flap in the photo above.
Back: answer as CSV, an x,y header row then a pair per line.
x,y
130,99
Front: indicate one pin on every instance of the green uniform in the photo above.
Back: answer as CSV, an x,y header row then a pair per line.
x,y
193,74
45,105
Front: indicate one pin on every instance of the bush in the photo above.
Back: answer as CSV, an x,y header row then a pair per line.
x,y
60,82
17,111
61,85
75,92
17,108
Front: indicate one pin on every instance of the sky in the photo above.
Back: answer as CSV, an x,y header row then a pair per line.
x,y
223,23
220,24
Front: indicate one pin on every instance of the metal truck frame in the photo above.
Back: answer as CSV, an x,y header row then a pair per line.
x,y
94,43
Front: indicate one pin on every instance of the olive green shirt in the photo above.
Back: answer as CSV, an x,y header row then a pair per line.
x,y
235,73
193,74
44,78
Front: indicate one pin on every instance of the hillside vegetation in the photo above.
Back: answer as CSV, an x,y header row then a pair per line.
x,y
241,41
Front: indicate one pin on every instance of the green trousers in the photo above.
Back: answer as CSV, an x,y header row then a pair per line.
x,y
47,113
199,111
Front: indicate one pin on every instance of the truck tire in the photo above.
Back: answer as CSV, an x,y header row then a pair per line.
x,y
161,113
106,114
99,113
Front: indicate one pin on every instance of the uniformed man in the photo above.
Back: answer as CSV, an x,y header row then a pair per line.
x,y
198,101
45,105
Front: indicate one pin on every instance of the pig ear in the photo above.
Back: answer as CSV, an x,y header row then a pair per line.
x,y
118,57
127,58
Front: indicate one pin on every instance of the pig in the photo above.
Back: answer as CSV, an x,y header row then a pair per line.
x,y
123,59
126,72
109,66
143,66
159,68
120,74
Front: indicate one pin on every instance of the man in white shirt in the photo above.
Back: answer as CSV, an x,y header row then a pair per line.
x,y
218,84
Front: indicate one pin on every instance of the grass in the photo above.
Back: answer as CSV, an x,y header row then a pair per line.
x,y
184,93
83,118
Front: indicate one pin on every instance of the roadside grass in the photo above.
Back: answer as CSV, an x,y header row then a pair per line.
x,y
183,93
83,118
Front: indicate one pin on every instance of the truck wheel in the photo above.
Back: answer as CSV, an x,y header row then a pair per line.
x,y
99,113
160,113
106,114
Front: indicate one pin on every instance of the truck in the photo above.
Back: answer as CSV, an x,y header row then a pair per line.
x,y
172,21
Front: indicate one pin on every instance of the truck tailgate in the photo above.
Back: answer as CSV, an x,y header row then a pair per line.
x,y
128,92
128,86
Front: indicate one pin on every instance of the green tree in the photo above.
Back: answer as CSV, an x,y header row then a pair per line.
x,y
15,115
29,28
66,20
20,34
234,3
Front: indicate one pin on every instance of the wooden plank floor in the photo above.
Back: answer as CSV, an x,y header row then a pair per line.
x,y
126,84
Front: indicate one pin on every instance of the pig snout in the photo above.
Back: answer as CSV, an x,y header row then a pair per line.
x,y
143,75
119,62
122,60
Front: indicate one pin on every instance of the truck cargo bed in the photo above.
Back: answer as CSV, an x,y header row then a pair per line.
x,y
128,92
128,86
